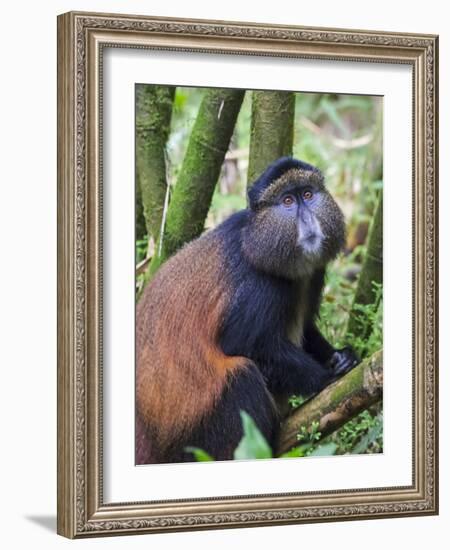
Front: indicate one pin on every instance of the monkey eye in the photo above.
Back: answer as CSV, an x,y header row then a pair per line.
x,y
288,200
307,194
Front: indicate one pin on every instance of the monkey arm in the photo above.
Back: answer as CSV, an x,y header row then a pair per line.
x,y
316,345
288,369
339,360
254,326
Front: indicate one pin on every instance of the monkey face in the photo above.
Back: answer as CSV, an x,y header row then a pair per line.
x,y
295,225
300,204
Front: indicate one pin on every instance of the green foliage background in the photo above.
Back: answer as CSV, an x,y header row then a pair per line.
x,y
341,135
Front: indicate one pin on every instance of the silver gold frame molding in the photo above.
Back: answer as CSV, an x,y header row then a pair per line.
x,y
81,39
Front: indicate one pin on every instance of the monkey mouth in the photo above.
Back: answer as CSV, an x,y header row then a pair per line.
x,y
309,236
311,243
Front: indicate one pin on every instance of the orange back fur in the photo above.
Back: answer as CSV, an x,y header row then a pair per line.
x,y
181,370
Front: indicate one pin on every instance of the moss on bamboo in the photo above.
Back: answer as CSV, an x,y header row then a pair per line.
x,y
337,403
153,116
208,143
272,130
140,222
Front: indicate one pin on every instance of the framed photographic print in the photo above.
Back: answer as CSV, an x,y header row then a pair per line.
x,y
247,287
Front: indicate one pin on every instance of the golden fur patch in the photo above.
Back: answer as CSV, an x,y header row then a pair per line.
x,y
181,370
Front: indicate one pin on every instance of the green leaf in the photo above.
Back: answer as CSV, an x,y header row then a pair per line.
x,y
325,450
199,454
368,439
296,400
296,452
253,444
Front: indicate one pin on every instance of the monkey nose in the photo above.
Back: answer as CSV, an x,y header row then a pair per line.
x,y
308,236
310,242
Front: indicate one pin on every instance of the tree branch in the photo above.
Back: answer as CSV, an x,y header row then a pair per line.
x,y
337,403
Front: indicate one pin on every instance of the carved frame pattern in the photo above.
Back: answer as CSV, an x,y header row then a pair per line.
x,y
81,37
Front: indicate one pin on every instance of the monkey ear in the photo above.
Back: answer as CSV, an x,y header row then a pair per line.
x,y
252,197
248,198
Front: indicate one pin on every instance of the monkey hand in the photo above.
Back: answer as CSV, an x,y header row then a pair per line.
x,y
342,361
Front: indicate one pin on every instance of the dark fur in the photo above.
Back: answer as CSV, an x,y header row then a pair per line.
x,y
228,323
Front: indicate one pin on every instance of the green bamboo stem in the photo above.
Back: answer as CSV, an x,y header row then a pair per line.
x,y
272,130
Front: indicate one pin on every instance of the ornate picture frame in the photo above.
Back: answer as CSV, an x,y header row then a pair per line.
x,y
82,38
